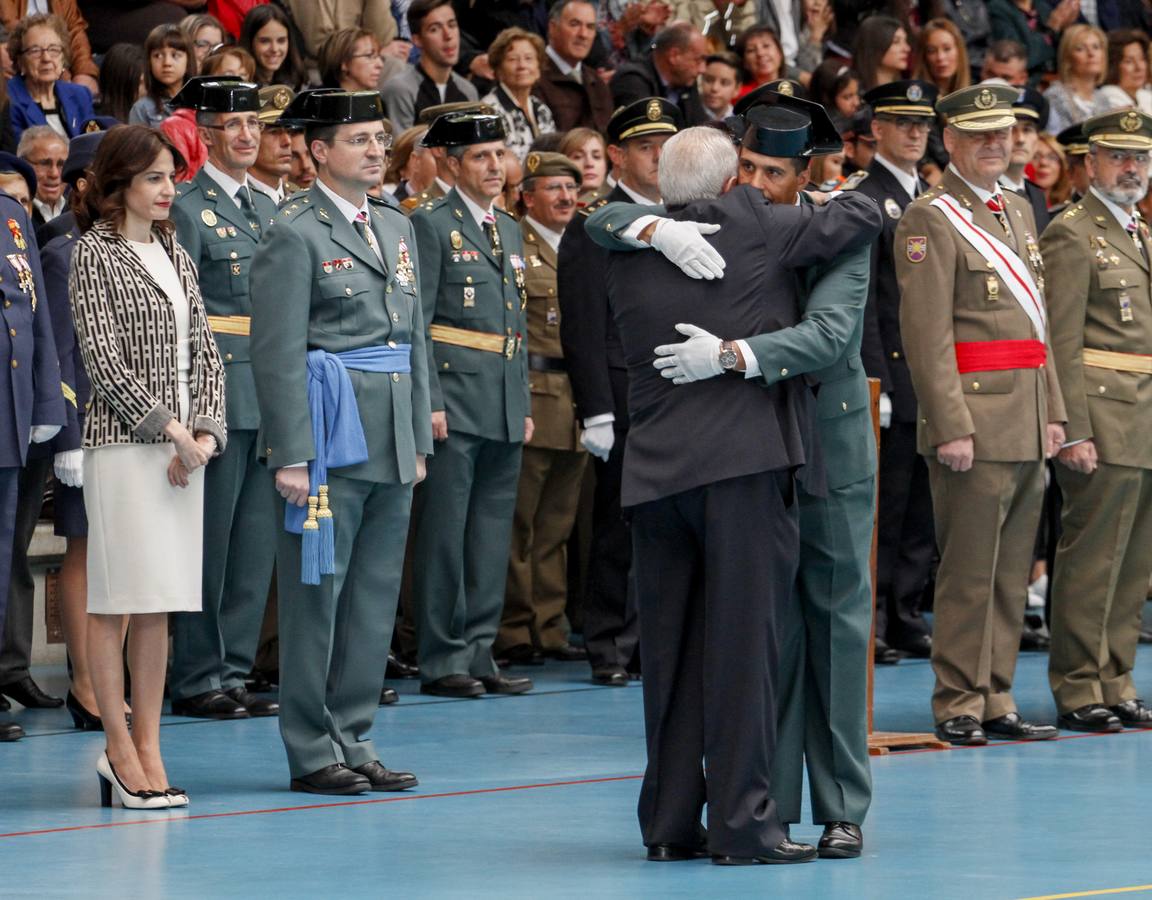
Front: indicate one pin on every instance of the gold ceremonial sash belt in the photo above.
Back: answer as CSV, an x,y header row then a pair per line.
x,y
507,345
230,324
1121,362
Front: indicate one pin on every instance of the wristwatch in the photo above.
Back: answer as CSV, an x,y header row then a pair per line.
x,y
728,356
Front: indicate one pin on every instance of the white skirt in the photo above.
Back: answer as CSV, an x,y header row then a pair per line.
x,y
145,537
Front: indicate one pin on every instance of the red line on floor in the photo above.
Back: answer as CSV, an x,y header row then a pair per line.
x,y
283,809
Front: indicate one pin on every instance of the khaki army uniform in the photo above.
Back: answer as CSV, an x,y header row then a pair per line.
x,y
986,518
1100,298
408,204
551,471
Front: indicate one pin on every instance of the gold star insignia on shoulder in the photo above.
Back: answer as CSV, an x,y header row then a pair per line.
x,y
211,192
321,212
457,214
1100,219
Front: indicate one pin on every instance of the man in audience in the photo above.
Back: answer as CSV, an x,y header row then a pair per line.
x,y
436,34
671,70
574,93
1008,60
46,151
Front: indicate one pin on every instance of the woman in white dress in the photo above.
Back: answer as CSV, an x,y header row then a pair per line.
x,y
157,417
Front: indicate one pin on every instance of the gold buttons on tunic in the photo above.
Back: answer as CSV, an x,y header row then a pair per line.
x,y
509,305
228,357
233,255
505,280
895,354
388,290
444,366
395,376
392,344
12,331
395,317
975,385
15,364
844,406
467,279
1100,389
783,371
348,291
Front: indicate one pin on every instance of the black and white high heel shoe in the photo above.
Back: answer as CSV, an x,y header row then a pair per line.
x,y
176,796
110,781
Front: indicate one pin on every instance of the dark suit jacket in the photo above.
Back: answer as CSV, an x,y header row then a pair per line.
x,y
685,436
882,350
56,261
588,334
1035,195
638,80
575,104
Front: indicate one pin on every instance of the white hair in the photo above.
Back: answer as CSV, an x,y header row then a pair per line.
x,y
695,165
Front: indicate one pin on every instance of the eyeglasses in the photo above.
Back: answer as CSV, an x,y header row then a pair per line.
x,y
233,127
569,186
906,124
383,140
53,51
47,164
1120,157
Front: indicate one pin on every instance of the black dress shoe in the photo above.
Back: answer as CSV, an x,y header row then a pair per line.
x,y
10,731
1011,727
332,780
610,676
209,705
82,717
1032,640
383,779
520,655
388,697
840,840
567,653
504,684
27,693
963,731
4,704
256,706
453,686
397,668
1133,714
676,852
1093,717
883,655
785,852
919,646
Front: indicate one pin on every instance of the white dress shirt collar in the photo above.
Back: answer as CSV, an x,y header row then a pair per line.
x,y
1118,211
552,237
575,71
477,212
276,194
909,181
348,210
636,198
230,185
982,195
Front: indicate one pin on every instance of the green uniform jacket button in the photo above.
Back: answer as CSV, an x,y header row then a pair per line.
x,y
395,317
395,376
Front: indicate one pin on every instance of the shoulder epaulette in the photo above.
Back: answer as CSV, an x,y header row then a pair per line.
x,y
854,180
593,206
1073,211
504,212
299,203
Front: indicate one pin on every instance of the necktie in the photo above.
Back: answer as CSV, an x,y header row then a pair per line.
x,y
244,196
493,235
996,204
361,226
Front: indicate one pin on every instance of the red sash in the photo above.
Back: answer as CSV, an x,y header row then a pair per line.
x,y
993,356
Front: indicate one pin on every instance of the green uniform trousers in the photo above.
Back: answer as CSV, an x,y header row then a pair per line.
x,y
334,636
214,649
537,592
460,562
823,634
986,521
1103,562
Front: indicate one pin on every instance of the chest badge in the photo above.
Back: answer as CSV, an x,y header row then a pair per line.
x,y
456,240
1125,307
469,297
892,208
208,218
17,235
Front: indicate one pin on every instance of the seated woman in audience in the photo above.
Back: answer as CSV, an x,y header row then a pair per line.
x,y
516,57
267,35
881,52
38,46
157,418
206,34
762,57
411,168
170,63
350,60
1080,65
121,80
230,61
942,57
1050,172
1126,83
586,148
836,87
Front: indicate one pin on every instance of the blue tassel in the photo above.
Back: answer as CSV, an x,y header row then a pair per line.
x,y
327,551
310,547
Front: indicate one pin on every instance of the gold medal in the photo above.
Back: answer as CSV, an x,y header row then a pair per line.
x,y
456,239
208,218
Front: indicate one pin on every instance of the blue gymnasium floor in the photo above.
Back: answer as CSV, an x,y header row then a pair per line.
x,y
534,796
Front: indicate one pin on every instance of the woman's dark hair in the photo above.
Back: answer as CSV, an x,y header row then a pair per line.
x,y
746,35
158,38
120,74
124,152
291,71
873,38
1118,41
829,79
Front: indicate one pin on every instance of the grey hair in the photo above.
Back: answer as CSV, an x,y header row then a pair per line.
x,y
695,165
36,133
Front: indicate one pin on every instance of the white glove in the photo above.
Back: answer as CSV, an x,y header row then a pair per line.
x,y
695,359
885,410
42,433
683,244
69,467
598,439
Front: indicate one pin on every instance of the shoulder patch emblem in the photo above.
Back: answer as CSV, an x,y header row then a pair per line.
x,y
916,248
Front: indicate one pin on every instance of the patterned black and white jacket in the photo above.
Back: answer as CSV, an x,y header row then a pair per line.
x,y
126,329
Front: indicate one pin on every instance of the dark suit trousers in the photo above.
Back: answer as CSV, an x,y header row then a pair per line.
x,y
16,655
907,538
610,630
9,490
713,565
460,560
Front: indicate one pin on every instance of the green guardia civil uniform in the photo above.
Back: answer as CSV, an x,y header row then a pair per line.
x,y
214,649
824,633
318,285
552,469
474,302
